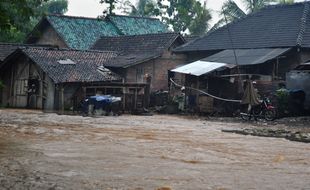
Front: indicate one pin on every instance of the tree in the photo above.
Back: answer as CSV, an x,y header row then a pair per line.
x,y
143,8
14,16
285,1
111,4
232,11
55,7
185,15
199,25
18,17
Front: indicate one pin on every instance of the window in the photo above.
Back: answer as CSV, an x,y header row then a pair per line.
x,y
139,74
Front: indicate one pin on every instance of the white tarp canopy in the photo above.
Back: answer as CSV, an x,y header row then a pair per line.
x,y
200,67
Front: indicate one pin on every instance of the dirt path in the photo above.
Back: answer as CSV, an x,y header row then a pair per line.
x,y
49,151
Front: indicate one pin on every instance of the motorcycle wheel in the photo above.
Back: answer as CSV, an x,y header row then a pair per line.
x,y
270,114
245,116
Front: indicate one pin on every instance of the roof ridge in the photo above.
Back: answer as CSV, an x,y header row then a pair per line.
x,y
75,17
152,34
67,49
303,22
28,45
128,16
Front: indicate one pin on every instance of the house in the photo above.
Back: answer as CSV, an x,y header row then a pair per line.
x,y
53,79
264,46
81,32
279,32
143,55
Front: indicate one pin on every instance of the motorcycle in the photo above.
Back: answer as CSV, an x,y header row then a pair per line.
x,y
265,110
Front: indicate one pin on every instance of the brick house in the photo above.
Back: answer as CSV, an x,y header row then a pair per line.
x,y
143,55
81,32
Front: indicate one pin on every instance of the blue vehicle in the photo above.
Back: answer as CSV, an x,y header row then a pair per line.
x,y
107,103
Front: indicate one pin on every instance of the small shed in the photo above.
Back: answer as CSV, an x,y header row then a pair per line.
x,y
299,79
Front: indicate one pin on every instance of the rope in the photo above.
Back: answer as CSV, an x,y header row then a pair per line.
x,y
203,92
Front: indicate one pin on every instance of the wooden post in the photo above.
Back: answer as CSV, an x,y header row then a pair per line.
x,y
84,91
136,97
11,98
197,92
124,98
61,99
147,90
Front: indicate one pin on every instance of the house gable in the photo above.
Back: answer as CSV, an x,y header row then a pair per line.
x,y
76,32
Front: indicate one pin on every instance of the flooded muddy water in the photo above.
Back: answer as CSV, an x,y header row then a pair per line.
x,y
50,151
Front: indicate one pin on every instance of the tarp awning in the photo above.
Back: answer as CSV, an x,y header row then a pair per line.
x,y
247,56
200,67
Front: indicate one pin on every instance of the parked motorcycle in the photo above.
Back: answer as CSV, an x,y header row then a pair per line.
x,y
265,110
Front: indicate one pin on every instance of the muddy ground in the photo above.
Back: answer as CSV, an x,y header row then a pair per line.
x,y
50,151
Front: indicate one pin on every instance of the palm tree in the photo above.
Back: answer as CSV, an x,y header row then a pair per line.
x,y
231,11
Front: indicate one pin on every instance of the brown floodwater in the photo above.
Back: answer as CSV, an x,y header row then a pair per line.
x,y
50,151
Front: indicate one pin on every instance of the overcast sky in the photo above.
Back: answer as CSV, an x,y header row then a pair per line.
x,y
92,8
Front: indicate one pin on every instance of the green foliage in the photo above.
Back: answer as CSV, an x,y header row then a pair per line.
x,y
282,101
55,7
144,8
111,4
185,15
18,17
14,16
285,1
199,25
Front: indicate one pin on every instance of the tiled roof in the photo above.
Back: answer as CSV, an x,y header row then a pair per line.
x,y
129,25
137,43
128,60
190,38
84,66
80,32
136,49
8,48
273,26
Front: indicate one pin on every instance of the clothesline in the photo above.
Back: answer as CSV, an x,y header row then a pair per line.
x,y
203,92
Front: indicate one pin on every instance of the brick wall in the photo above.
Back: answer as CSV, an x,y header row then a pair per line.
x,y
157,69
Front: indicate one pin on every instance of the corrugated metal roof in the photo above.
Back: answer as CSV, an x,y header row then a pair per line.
x,y
199,68
247,56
